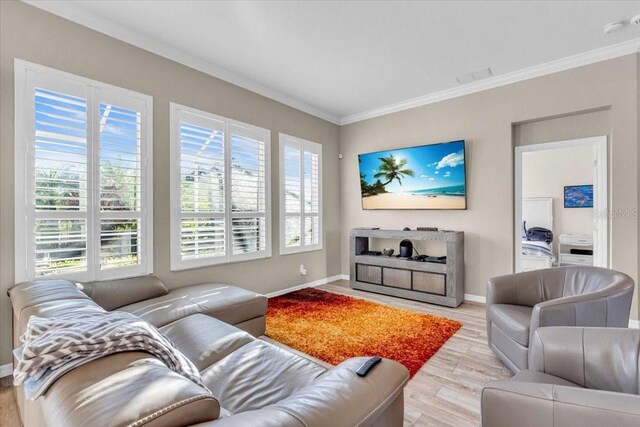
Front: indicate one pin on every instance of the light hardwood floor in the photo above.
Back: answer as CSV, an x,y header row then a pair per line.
x,y
446,390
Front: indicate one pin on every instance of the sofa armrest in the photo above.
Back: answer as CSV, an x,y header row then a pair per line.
x,y
599,358
515,403
337,398
129,388
341,398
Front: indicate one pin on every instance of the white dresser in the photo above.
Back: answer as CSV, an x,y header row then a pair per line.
x,y
534,262
567,242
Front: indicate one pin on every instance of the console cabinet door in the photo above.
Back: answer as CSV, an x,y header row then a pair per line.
x,y
432,283
396,278
369,274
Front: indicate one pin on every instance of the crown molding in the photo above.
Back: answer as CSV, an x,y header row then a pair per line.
x,y
68,11
579,60
135,38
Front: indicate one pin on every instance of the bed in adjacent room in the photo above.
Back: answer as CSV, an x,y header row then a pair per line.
x,y
537,254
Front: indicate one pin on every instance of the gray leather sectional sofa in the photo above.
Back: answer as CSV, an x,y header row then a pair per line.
x,y
577,377
252,383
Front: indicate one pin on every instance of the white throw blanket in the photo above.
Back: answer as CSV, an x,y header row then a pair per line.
x,y
54,346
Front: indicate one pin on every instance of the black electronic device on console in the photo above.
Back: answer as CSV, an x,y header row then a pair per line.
x,y
367,366
375,253
406,249
426,258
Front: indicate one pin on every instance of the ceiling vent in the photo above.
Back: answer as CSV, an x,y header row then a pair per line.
x,y
476,75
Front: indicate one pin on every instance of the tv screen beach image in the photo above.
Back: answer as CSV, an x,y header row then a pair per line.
x,y
424,177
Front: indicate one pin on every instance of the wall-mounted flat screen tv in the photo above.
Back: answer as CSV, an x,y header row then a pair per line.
x,y
425,177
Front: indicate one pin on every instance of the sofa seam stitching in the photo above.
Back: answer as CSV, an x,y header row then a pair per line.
x,y
501,390
393,395
170,408
584,361
285,410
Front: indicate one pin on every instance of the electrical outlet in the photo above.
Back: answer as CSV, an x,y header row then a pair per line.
x,y
303,271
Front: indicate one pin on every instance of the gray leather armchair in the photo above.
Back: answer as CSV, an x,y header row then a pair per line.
x,y
579,377
518,304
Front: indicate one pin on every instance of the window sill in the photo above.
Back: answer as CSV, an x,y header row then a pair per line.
x,y
215,263
294,251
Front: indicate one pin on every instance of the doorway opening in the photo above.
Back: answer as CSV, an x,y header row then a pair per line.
x,y
561,204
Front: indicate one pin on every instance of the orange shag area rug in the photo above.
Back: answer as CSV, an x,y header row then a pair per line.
x,y
334,327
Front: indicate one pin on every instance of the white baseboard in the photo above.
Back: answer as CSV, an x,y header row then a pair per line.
x,y
635,324
475,298
344,277
305,285
6,370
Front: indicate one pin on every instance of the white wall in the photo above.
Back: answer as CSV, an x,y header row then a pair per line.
x,y
545,173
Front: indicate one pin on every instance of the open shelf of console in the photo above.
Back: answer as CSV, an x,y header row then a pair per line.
x,y
437,283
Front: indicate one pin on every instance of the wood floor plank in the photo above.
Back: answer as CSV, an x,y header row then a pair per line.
x,y
8,409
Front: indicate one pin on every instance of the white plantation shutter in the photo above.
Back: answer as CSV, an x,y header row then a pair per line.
x,y
82,198
248,190
58,205
202,188
219,190
121,181
300,195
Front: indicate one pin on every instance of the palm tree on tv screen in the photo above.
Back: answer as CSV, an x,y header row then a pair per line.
x,y
391,168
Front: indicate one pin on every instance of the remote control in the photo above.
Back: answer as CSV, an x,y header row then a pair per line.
x,y
366,366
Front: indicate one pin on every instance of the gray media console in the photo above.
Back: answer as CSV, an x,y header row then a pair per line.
x,y
432,282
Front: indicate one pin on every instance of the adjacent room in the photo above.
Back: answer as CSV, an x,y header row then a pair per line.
x,y
319,213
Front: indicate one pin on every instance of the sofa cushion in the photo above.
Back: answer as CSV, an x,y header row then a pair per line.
x,y
514,355
57,308
205,340
227,303
28,294
131,388
513,320
112,294
258,374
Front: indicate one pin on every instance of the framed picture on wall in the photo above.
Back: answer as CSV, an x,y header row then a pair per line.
x,y
578,196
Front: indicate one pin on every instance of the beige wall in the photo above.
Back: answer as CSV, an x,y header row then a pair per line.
x,y
36,36
546,173
606,96
581,124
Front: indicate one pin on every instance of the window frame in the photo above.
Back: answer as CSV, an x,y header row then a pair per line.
x,y
28,76
176,112
305,145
